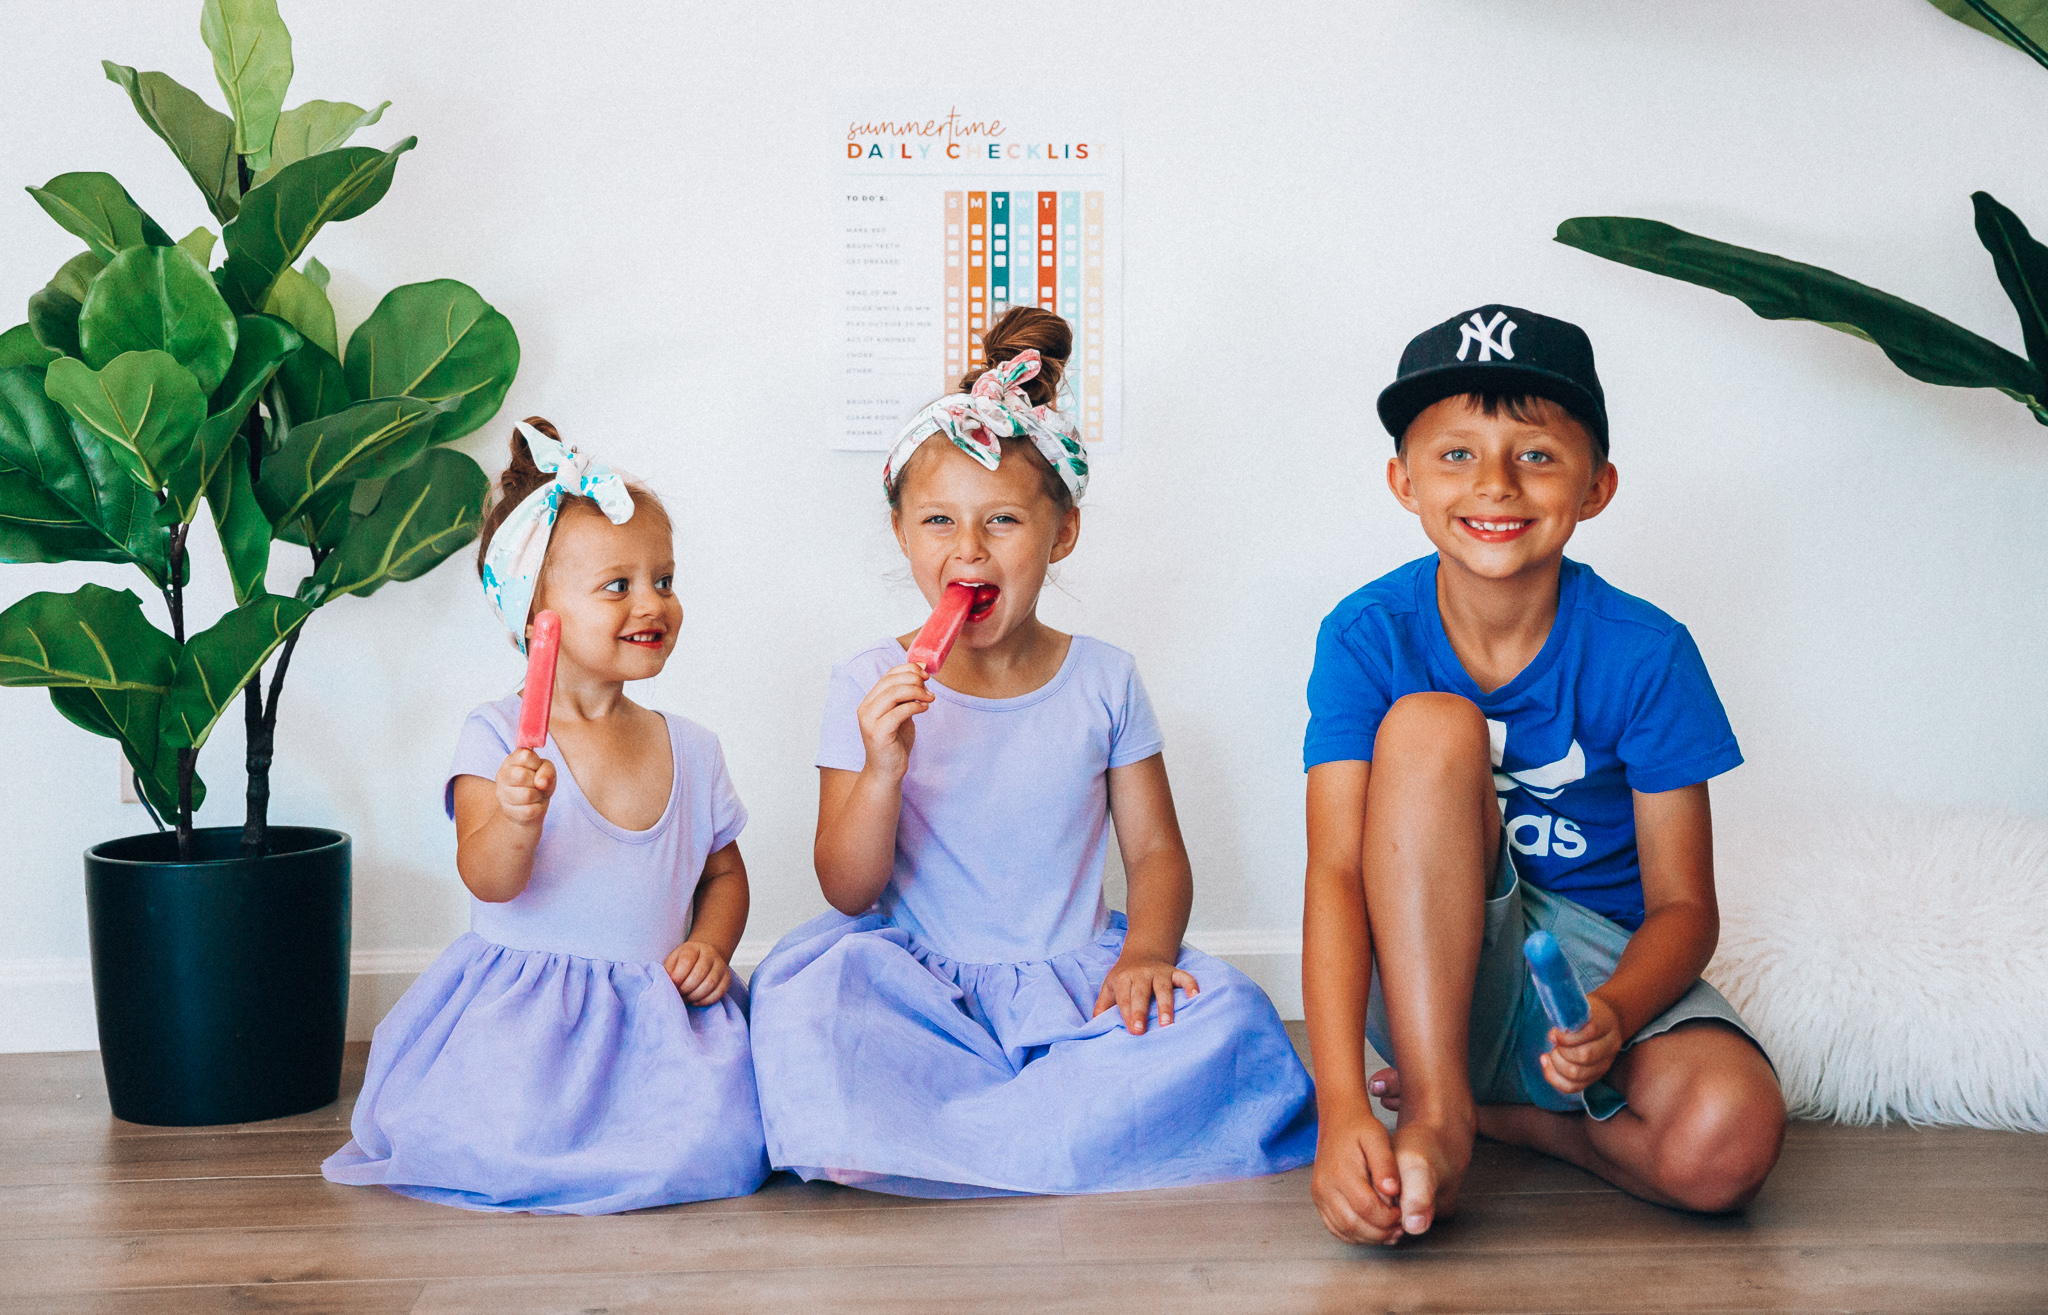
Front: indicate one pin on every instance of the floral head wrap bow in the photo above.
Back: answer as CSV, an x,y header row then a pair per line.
x,y
512,563
997,408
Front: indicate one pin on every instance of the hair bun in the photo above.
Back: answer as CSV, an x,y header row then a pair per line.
x,y
1022,328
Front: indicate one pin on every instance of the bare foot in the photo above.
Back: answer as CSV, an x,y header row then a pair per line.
x,y
1432,1157
1385,1087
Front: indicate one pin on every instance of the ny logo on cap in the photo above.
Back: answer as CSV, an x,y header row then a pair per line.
x,y
1482,333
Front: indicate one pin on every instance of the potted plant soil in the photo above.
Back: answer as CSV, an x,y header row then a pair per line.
x,y
152,385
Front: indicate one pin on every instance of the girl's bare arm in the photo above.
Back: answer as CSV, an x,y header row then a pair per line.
x,y
498,824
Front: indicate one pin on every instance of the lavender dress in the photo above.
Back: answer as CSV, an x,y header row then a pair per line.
x,y
545,1061
944,1042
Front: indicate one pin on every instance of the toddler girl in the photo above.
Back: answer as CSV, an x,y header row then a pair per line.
x,y
973,1020
583,1049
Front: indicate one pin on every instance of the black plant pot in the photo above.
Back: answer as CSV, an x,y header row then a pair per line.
x,y
221,983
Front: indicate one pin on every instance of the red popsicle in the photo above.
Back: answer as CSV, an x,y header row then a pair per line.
x,y
948,619
539,698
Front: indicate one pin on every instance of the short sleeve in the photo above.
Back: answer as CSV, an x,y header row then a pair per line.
x,y
839,742
1133,727
1348,695
480,750
728,814
1677,733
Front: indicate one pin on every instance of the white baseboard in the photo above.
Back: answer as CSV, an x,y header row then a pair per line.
x,y
49,1001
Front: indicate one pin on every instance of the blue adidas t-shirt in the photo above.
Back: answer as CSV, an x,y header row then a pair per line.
x,y
1618,700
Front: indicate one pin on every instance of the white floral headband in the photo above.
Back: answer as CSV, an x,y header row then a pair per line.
x,y
977,422
512,562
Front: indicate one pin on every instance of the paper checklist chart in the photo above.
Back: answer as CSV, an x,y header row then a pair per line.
x,y
945,222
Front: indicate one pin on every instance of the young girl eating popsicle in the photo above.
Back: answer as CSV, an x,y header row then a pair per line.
x,y
972,1020
583,1049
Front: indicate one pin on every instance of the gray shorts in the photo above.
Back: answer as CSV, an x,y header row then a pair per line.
x,y
1509,1030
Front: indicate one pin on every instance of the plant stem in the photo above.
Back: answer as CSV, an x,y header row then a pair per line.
x,y
174,598
2010,30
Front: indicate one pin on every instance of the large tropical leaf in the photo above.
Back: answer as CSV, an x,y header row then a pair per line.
x,y
200,243
1918,341
53,312
439,341
46,459
314,128
252,59
321,458
429,510
96,207
312,384
262,344
159,299
131,717
200,136
2026,22
279,218
146,405
2022,266
96,638
18,346
244,530
216,663
300,302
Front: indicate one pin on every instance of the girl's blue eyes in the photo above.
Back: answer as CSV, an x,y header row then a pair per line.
x,y
948,520
621,586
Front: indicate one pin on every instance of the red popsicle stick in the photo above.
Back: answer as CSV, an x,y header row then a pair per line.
x,y
948,619
539,699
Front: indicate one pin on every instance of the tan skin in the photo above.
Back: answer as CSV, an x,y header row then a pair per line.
x,y
1400,851
612,585
959,521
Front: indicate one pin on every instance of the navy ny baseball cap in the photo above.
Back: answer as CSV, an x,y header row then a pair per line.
x,y
1497,349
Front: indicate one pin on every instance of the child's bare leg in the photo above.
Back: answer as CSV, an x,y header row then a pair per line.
x,y
1704,1123
1431,833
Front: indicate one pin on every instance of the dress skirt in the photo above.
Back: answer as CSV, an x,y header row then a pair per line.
x,y
883,1064
525,1080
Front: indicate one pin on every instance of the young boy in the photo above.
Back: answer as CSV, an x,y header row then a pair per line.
x,y
1500,741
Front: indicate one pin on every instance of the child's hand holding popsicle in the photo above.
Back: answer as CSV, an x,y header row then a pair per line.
x,y
885,727
526,781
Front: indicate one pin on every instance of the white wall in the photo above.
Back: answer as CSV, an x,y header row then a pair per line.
x,y
1859,555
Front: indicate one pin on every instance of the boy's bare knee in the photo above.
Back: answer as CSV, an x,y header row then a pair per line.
x,y
1436,725
1721,1146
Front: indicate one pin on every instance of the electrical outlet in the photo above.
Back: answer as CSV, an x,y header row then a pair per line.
x,y
128,795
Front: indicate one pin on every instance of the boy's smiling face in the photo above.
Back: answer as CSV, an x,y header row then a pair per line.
x,y
1499,496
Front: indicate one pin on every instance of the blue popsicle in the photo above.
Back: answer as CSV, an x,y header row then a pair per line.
x,y
1556,985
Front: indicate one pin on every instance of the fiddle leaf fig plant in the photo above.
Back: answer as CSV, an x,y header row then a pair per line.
x,y
148,387
1924,345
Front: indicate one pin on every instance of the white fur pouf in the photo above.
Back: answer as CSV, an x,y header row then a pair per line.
x,y
1898,968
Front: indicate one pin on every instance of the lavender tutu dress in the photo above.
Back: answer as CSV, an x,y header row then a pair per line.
x,y
545,1062
943,1044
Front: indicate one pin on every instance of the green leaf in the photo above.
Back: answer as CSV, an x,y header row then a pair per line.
x,y
200,243
63,497
111,520
300,302
2022,266
322,524
2028,18
97,208
252,59
312,384
131,718
244,530
318,273
438,341
280,218
1921,343
200,136
53,312
159,299
18,346
216,663
143,403
262,344
96,638
429,510
314,128
322,457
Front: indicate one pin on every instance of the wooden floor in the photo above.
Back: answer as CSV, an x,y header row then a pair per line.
x,y
99,1215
